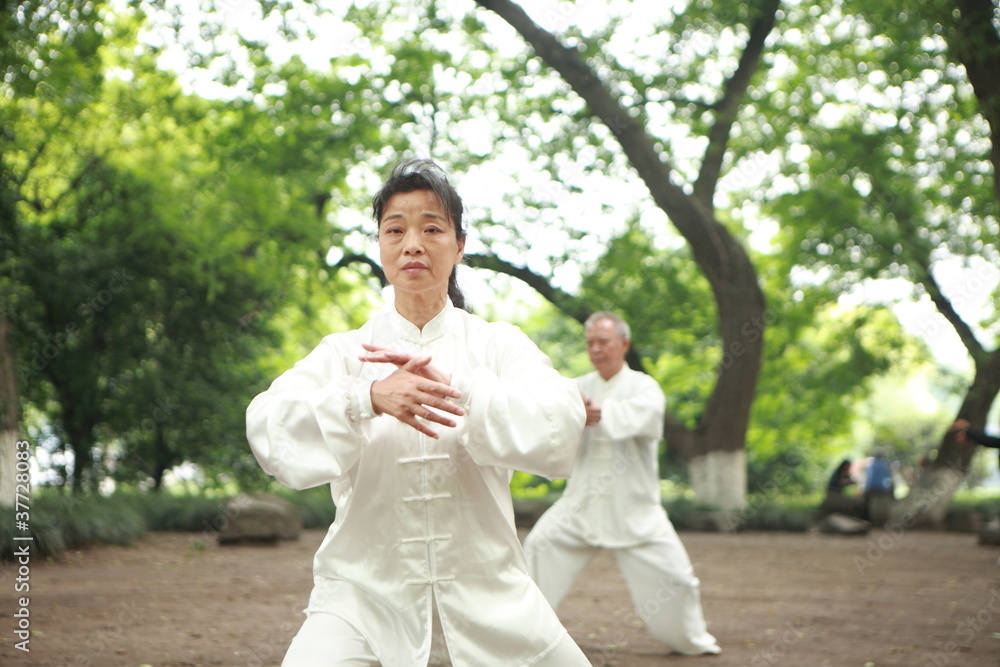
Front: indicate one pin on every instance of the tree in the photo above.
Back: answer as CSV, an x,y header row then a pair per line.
x,y
10,409
171,230
627,101
26,28
826,356
443,92
746,92
973,36
896,177
715,447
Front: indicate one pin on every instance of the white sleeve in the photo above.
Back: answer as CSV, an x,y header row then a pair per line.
x,y
635,410
306,429
521,413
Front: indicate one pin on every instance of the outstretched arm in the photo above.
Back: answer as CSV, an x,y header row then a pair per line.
x,y
965,433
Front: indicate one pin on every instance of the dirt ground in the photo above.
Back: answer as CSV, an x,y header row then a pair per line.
x,y
919,599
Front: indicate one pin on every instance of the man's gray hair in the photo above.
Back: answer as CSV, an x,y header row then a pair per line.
x,y
621,325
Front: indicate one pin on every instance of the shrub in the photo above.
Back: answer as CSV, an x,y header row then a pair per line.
x,y
46,539
315,504
85,520
59,522
183,513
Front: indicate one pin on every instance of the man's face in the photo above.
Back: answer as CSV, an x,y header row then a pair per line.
x,y
606,348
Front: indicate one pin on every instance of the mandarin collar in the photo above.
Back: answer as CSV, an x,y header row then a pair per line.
x,y
614,378
433,330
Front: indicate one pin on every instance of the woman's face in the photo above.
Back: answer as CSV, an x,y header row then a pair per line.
x,y
417,243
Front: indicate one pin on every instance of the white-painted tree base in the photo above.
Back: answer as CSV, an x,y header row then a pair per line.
x,y
8,455
928,501
719,479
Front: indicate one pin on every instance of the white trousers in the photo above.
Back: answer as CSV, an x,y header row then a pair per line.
x,y
658,573
325,640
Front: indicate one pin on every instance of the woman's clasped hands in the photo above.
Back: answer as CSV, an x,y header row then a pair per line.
x,y
414,392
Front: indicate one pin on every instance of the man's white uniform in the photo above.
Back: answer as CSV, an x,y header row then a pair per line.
x,y
613,501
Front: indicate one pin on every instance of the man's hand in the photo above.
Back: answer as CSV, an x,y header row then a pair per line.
x,y
961,429
593,410
414,391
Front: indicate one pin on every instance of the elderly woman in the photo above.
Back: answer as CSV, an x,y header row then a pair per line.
x,y
416,421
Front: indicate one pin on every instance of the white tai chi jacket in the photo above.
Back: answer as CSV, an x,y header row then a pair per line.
x,y
423,522
613,499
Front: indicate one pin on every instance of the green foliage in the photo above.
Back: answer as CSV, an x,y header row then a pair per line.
x,y
182,513
91,519
985,501
896,174
317,508
829,367
60,522
559,337
674,334
763,513
182,230
46,541
532,487
214,216
826,356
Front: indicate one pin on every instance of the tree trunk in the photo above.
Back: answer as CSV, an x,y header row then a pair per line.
x,y
929,499
161,456
974,39
9,417
80,435
717,446
719,479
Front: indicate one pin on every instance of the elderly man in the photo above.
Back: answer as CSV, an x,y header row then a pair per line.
x,y
613,501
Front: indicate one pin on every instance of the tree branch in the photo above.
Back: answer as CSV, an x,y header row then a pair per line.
x,y
978,47
564,301
945,307
720,257
710,243
376,270
728,107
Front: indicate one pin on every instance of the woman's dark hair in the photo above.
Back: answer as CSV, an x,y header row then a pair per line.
x,y
423,174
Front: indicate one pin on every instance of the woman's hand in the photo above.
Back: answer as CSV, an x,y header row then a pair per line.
x,y
383,355
414,392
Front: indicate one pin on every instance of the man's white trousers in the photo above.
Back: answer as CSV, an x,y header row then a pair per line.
x,y
658,573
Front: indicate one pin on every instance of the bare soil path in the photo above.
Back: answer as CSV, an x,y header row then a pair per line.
x,y
918,599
